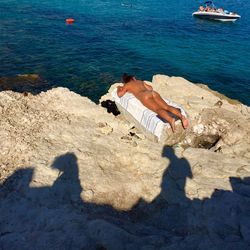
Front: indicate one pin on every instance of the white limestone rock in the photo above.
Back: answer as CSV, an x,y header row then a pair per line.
x,y
72,174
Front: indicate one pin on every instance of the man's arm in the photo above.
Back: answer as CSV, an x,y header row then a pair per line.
x,y
121,90
147,86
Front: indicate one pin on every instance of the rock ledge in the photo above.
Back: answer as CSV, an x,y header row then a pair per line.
x,y
73,176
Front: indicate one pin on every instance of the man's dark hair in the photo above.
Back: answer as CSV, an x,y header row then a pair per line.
x,y
126,78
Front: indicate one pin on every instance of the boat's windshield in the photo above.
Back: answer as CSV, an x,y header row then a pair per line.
x,y
209,4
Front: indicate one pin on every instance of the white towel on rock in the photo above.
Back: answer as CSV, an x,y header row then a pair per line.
x,y
147,118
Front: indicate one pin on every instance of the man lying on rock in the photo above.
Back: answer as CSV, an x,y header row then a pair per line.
x,y
150,99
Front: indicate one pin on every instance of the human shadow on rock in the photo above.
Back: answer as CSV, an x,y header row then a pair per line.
x,y
43,217
65,190
56,217
167,211
67,187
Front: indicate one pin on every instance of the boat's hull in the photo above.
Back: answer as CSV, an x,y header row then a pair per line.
x,y
216,16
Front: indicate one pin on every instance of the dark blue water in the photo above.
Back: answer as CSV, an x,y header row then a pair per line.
x,y
142,37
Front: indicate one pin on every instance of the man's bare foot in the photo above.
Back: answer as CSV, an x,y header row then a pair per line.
x,y
172,124
184,122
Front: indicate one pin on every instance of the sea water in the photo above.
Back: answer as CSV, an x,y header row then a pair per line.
x,y
109,37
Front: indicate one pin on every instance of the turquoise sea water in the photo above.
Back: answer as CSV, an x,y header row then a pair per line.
x,y
109,37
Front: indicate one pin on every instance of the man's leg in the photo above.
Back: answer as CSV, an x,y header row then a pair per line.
x,y
163,114
151,104
171,109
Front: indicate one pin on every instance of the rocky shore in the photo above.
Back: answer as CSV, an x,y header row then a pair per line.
x,y
73,176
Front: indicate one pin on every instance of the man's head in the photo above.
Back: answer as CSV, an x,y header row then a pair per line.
x,y
127,78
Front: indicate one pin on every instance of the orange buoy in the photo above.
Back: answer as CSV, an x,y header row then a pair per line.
x,y
70,20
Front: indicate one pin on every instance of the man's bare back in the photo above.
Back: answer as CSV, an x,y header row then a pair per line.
x,y
138,88
151,99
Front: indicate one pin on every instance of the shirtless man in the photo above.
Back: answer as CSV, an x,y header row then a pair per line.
x,y
151,99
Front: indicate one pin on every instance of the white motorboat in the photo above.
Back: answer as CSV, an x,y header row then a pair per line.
x,y
212,13
217,16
